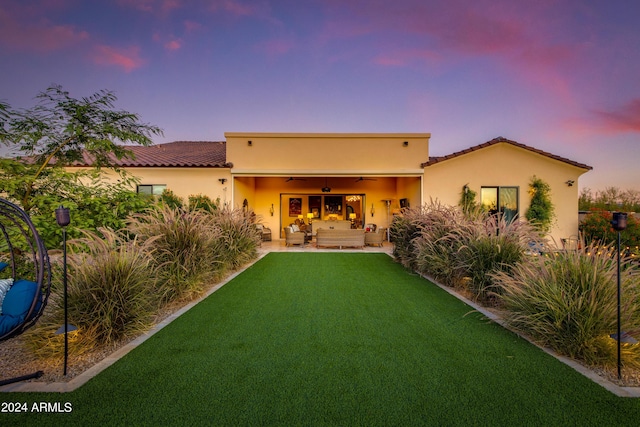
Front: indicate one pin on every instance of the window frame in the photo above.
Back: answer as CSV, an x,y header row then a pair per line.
x,y
153,187
500,207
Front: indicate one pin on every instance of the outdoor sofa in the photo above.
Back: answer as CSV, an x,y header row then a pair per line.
x,y
340,237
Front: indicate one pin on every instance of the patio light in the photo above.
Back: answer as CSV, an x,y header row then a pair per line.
x,y
619,223
63,219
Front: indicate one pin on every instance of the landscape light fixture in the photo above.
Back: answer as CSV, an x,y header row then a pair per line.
x,y
63,219
619,223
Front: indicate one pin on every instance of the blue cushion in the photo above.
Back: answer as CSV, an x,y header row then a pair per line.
x,y
19,298
3,265
7,323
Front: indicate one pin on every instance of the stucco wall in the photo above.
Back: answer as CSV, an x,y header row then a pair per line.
x,y
507,165
185,182
308,153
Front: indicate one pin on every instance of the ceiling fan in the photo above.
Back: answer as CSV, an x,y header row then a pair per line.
x,y
365,179
295,179
326,188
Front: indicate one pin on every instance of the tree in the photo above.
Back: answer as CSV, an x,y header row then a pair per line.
x,y
59,131
541,210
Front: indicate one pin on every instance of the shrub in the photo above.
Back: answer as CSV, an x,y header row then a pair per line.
x,y
435,248
183,245
596,227
201,201
110,295
170,199
488,247
238,237
541,210
467,201
406,228
568,302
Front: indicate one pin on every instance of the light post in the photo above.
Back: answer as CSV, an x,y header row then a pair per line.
x,y
63,219
619,223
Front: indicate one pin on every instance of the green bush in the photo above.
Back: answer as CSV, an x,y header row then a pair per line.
x,y
110,295
170,199
568,301
183,244
541,210
201,201
596,228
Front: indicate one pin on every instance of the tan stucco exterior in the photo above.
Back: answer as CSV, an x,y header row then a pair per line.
x,y
272,170
508,165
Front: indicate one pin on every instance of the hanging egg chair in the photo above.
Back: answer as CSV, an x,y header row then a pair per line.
x,y
25,273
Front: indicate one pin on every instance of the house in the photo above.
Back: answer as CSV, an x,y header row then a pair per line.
x,y
362,177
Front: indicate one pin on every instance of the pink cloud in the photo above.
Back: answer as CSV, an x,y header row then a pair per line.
x,y
143,5
401,58
191,26
277,47
36,34
163,6
173,44
234,7
623,119
127,59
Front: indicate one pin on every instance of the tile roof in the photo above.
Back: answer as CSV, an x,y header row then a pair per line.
x,y
498,140
196,154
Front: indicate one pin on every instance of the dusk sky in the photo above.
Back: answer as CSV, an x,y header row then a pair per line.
x,y
559,75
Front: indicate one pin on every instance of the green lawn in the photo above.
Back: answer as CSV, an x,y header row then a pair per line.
x,y
334,339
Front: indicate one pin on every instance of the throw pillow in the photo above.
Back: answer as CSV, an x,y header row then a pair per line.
x,y
5,284
7,323
19,298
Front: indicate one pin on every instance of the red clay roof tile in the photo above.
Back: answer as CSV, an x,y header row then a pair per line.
x,y
195,154
498,140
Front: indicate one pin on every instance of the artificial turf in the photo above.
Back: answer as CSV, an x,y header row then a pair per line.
x,y
333,339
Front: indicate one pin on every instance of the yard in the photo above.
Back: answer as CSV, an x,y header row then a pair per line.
x,y
332,339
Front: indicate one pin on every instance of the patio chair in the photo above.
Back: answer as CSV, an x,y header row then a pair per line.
x,y
293,237
373,238
265,232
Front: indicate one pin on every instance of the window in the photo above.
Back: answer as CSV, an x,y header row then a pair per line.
x,y
152,190
500,199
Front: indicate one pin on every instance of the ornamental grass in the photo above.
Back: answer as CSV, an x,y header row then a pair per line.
x,y
238,237
461,250
110,295
490,246
568,301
